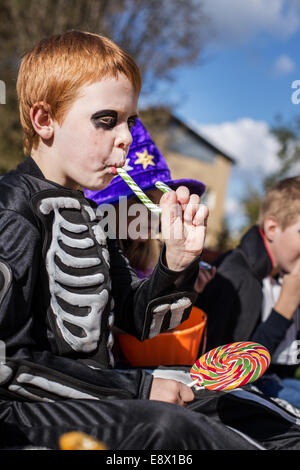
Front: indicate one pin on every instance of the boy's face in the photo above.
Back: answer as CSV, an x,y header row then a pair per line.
x,y
95,134
285,246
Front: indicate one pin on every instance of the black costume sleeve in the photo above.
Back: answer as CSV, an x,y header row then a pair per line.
x,y
166,297
19,258
220,302
47,377
272,331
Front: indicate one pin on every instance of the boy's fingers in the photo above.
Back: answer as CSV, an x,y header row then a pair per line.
x,y
171,213
191,208
204,274
203,278
183,195
201,215
186,394
201,281
168,200
168,203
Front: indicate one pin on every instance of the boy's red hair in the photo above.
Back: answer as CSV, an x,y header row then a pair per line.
x,y
58,66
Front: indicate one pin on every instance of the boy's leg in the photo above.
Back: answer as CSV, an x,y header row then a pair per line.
x,y
286,389
120,424
290,391
273,426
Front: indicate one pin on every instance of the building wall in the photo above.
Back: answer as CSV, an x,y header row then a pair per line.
x,y
215,176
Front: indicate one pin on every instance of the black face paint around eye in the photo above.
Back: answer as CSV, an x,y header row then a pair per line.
x,y
131,121
106,119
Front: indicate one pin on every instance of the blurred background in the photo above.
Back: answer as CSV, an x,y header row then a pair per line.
x,y
221,89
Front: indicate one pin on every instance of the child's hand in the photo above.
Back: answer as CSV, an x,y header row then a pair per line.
x,y
183,226
170,391
204,277
289,298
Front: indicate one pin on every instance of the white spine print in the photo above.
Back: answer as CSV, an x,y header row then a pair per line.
x,y
59,280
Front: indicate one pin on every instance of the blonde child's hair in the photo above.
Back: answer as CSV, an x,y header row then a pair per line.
x,y
57,67
282,202
142,256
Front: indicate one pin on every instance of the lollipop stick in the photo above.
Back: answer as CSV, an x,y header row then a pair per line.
x,y
138,192
191,384
194,383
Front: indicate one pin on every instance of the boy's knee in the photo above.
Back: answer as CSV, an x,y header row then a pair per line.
x,y
161,425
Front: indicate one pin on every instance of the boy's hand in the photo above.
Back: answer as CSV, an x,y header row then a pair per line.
x,y
289,298
203,278
183,226
170,391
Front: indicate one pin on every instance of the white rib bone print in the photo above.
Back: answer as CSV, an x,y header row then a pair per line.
x,y
90,323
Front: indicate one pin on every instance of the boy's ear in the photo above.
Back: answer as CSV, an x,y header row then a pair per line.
x,y
271,227
42,122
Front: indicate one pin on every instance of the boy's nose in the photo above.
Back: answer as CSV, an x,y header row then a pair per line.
x,y
124,138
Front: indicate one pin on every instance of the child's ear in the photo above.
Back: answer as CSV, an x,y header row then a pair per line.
x,y
40,114
271,227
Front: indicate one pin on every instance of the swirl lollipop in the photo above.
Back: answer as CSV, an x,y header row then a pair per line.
x,y
230,366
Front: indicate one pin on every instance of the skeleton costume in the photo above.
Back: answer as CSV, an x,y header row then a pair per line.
x,y
64,284
62,287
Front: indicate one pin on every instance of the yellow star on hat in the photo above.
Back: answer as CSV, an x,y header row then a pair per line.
x,y
144,158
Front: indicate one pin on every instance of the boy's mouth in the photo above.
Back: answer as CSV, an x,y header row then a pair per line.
x,y
114,167
117,165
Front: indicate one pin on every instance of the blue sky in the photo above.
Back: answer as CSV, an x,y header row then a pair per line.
x,y
232,84
244,82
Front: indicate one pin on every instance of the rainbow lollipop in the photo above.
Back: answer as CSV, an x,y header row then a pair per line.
x,y
230,366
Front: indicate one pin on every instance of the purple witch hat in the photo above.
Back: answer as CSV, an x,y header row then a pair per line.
x,y
146,165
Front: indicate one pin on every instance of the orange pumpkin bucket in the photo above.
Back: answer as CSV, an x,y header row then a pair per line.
x,y
177,347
